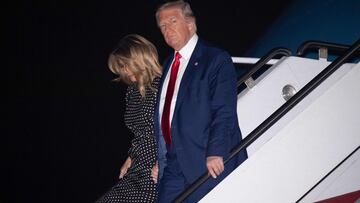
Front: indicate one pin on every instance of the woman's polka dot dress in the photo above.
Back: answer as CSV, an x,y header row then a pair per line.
x,y
137,185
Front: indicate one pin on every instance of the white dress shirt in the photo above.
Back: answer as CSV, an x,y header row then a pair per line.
x,y
185,53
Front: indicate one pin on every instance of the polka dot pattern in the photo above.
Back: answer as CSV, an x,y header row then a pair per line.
x,y
137,185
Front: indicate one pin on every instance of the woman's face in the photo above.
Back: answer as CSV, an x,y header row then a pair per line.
x,y
130,74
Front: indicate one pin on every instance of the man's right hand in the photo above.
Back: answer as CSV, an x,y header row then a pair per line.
x,y
125,167
215,165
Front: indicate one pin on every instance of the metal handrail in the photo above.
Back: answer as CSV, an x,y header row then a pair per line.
x,y
313,45
270,55
328,174
279,113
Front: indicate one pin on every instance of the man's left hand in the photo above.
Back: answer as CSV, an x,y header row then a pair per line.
x,y
215,165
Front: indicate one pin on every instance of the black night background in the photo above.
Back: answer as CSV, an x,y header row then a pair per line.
x,y
65,139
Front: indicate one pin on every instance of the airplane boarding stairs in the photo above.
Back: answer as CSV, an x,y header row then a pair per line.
x,y
311,152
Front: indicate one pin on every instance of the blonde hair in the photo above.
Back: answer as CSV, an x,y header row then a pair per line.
x,y
140,56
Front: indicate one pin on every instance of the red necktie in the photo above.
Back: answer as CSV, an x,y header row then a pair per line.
x,y
165,120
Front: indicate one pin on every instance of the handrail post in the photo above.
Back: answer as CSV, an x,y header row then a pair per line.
x,y
271,54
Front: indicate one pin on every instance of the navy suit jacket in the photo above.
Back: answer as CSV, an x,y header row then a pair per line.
x,y
205,120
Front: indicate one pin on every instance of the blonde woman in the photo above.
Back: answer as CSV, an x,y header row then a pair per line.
x,y
135,62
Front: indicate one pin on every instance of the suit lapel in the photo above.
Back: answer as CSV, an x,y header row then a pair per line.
x,y
189,73
194,63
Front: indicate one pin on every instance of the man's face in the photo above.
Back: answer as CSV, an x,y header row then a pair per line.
x,y
175,29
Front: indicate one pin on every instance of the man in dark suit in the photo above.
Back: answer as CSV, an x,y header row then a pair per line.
x,y
196,122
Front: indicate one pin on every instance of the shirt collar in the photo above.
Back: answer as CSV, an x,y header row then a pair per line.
x,y
187,50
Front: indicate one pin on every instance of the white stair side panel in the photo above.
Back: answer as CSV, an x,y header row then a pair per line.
x,y
301,153
256,104
345,179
